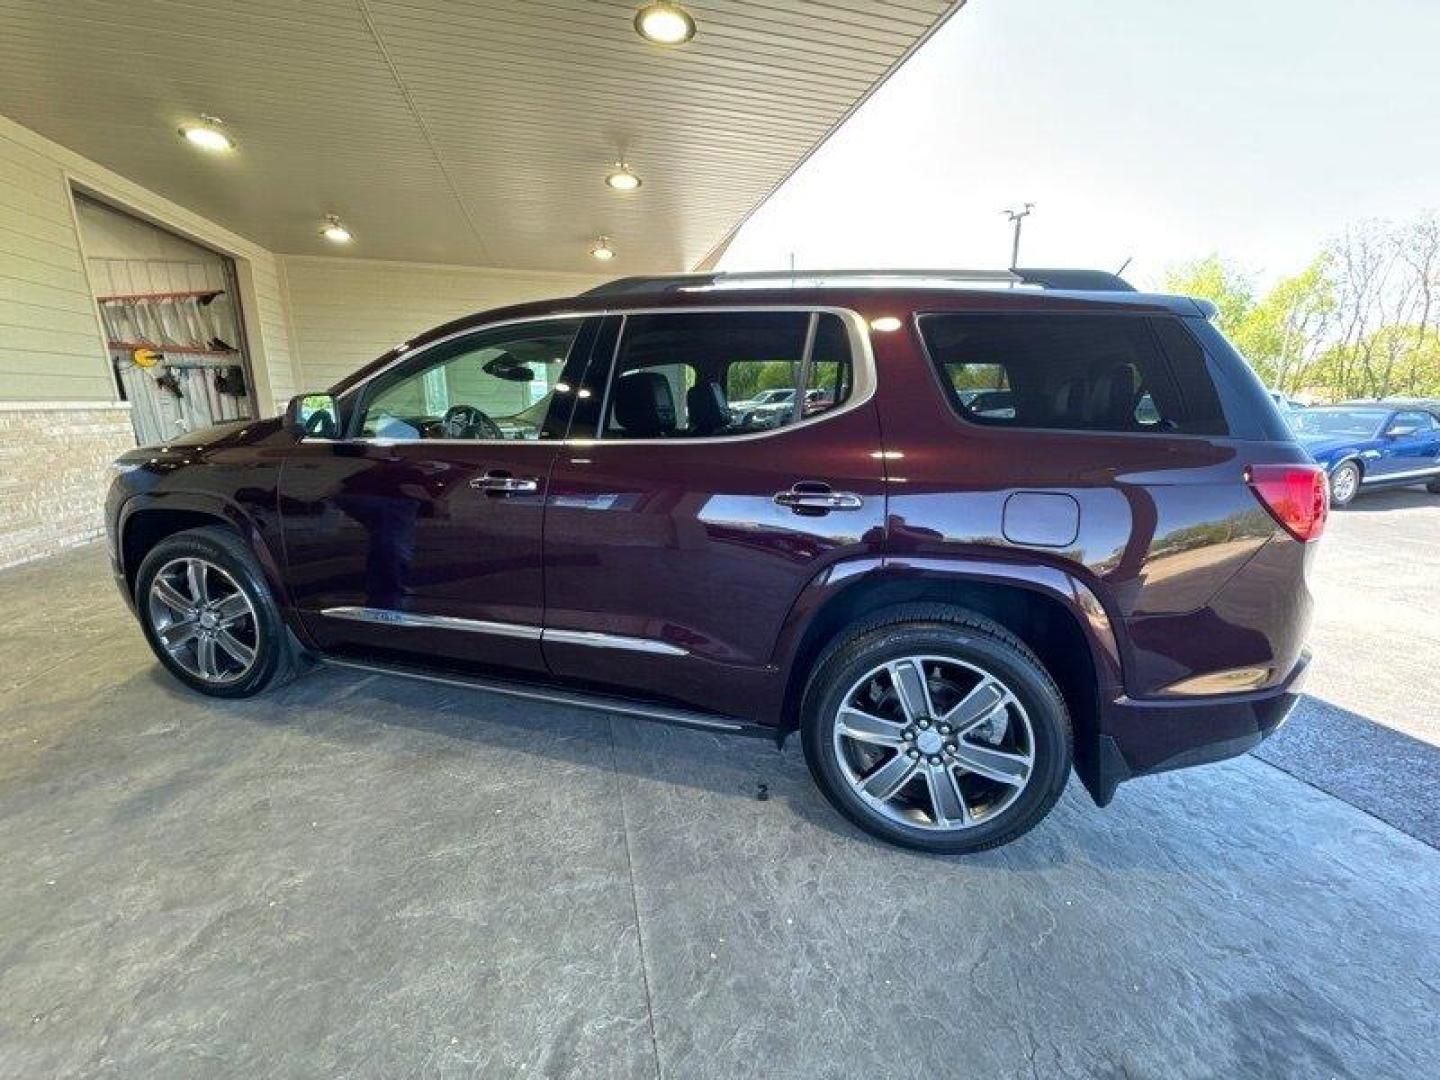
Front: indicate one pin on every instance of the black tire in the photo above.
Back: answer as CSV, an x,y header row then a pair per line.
x,y
939,630
277,657
1341,494
1433,487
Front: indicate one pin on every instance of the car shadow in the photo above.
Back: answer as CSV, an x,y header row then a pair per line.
x,y
1387,773
1383,772
361,709
1400,498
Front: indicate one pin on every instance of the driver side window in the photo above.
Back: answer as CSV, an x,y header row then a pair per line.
x,y
497,384
1411,423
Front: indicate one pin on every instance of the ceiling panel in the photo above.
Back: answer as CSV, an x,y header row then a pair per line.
x,y
463,131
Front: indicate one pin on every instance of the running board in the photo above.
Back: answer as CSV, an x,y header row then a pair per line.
x,y
646,710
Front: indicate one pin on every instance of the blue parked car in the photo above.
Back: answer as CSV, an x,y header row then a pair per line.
x,y
1368,445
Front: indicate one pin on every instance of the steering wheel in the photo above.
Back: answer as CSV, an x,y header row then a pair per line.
x,y
468,422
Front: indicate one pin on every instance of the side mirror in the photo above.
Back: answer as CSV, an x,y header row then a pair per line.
x,y
313,415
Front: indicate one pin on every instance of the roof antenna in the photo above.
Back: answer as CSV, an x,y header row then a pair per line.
x,y
1128,260
792,270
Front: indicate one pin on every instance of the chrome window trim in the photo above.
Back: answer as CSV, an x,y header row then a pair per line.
x,y
591,638
862,357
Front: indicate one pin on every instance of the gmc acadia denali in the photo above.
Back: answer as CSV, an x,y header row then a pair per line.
x,y
996,529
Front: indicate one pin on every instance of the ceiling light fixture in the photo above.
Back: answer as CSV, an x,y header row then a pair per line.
x,y
664,24
885,324
334,231
602,249
208,134
622,179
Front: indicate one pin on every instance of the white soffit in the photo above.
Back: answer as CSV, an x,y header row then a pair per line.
x,y
456,131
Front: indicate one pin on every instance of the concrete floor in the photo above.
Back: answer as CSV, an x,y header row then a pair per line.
x,y
361,876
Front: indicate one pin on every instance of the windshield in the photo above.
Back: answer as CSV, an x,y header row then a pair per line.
x,y
1357,423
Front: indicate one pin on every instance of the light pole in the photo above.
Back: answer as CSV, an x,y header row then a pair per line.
x,y
1017,217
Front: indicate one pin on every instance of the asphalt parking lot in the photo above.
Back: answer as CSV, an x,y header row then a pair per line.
x,y
366,877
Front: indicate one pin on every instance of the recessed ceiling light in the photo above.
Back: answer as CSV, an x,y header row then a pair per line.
x,y
664,24
334,231
207,134
602,249
622,179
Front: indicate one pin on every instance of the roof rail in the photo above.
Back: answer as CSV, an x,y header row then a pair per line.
x,y
1082,280
1077,279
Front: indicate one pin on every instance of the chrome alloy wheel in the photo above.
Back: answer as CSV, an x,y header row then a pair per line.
x,y
1344,483
933,742
204,620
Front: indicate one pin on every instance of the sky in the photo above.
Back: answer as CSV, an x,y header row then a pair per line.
x,y
1157,131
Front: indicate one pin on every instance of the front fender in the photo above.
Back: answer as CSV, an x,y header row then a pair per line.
x,y
223,511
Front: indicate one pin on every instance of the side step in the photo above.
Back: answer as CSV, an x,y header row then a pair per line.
x,y
577,699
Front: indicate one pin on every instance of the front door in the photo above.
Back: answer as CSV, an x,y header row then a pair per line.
x,y
417,536
1410,447
679,539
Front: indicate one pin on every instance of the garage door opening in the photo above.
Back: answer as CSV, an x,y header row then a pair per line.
x,y
171,320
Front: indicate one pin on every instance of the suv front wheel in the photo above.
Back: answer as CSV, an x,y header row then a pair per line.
x,y
209,616
937,729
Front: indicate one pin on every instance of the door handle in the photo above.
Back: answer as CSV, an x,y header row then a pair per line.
x,y
502,483
816,498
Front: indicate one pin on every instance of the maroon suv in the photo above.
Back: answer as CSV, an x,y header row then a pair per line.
x,y
979,535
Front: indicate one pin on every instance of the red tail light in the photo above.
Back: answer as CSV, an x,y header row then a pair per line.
x,y
1297,496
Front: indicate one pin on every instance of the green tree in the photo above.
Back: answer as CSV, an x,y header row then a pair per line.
x,y
1222,283
1280,333
1285,331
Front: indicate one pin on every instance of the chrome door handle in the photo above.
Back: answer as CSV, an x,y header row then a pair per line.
x,y
504,484
817,498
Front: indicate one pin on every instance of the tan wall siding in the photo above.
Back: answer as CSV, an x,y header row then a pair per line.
x,y
59,425
50,343
54,459
346,312
264,295
51,347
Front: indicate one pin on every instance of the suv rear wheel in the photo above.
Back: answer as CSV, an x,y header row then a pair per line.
x,y
937,729
209,616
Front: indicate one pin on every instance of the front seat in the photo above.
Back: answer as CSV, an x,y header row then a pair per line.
x,y
708,411
644,405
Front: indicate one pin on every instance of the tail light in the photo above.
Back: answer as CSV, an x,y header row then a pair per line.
x,y
1297,496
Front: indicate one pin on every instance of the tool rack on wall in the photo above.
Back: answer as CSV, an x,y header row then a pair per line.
x,y
173,360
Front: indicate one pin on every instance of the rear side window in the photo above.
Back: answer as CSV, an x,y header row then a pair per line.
x,y
1074,372
717,374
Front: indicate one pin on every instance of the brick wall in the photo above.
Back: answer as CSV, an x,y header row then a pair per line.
x,y
54,468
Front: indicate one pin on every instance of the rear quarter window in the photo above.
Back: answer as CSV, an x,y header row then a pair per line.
x,y
1117,373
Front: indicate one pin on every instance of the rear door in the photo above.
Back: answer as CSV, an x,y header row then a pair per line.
x,y
418,536
680,532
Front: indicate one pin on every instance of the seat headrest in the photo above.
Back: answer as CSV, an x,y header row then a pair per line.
x,y
1115,395
706,408
1068,403
644,405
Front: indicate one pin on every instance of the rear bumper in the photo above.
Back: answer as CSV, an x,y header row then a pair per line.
x,y
1139,738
